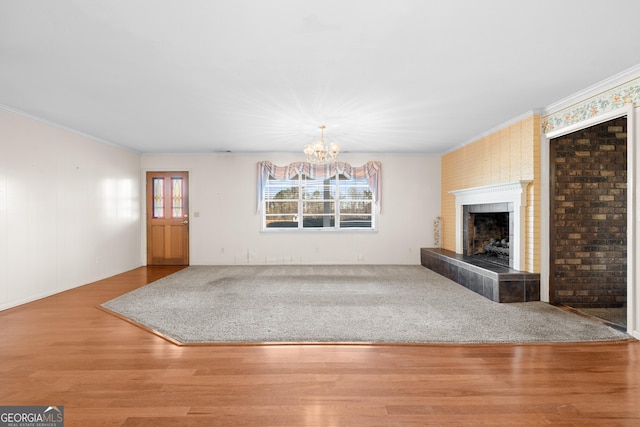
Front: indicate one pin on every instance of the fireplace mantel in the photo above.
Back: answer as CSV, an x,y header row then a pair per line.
x,y
498,193
510,192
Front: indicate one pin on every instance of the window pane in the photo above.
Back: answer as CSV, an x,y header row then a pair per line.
x,y
319,189
355,207
281,203
355,221
177,200
319,207
287,189
356,204
285,207
318,221
158,197
281,221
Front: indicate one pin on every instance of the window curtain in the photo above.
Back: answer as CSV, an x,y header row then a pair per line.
x,y
372,171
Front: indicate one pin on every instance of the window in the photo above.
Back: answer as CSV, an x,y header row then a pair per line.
x,y
304,196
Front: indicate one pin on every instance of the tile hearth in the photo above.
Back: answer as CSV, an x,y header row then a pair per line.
x,y
495,282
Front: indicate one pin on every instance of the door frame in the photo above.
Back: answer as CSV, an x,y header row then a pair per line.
x,y
143,208
632,212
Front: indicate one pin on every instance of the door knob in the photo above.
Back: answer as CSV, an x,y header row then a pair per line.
x,y
185,222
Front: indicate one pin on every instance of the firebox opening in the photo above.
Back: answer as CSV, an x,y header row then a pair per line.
x,y
488,237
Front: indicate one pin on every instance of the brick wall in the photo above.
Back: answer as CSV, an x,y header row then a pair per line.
x,y
589,216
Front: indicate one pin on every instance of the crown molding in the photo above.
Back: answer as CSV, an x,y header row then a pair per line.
x,y
495,129
64,128
594,90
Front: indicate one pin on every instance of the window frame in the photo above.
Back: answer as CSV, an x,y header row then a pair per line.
x,y
337,199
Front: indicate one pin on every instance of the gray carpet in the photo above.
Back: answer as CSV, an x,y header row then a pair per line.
x,y
355,304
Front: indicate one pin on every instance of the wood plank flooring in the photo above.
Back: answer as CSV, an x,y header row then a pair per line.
x,y
63,350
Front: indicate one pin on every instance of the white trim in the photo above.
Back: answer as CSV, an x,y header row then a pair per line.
x,y
30,298
545,216
510,192
632,210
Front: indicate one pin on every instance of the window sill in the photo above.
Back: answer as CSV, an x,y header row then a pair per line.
x,y
318,230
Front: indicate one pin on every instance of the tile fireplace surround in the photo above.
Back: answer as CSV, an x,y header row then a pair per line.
x,y
495,282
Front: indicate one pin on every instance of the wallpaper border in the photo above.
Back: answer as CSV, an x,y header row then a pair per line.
x,y
618,97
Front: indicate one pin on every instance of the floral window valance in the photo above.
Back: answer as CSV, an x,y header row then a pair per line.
x,y
371,171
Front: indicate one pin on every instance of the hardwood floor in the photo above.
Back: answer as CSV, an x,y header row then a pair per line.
x,y
63,350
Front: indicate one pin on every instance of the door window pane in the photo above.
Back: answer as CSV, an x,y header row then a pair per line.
x,y
158,197
177,199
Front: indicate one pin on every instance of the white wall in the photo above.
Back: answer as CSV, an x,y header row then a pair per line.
x,y
225,227
69,209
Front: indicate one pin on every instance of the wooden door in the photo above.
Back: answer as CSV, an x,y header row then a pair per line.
x,y
167,218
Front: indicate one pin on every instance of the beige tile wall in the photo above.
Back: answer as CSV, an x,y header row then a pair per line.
x,y
509,154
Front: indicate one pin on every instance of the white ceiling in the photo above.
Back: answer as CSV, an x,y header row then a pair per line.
x,y
384,76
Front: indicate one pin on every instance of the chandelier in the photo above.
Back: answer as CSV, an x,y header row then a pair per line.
x,y
319,153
